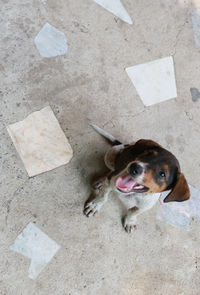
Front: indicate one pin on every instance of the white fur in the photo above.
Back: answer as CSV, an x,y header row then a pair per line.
x,y
138,203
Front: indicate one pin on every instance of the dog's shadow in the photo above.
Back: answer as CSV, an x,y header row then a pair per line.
x,y
100,171
93,163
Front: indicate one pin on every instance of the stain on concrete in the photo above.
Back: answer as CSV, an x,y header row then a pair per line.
x,y
195,94
181,149
104,85
169,139
180,139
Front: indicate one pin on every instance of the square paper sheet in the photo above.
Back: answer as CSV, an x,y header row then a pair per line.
x,y
40,142
154,81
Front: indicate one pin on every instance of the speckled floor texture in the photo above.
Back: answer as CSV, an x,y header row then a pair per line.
x,y
89,84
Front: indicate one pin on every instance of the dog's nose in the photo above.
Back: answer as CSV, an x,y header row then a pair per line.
x,y
135,169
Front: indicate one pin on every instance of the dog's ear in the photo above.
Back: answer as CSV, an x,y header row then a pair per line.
x,y
180,191
147,143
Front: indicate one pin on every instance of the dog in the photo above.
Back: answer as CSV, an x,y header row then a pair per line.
x,y
142,171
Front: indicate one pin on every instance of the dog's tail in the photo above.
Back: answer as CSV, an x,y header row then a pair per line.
x,y
105,134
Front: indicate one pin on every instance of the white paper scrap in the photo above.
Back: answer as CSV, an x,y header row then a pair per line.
x,y
37,246
196,25
154,81
40,142
51,42
179,213
115,7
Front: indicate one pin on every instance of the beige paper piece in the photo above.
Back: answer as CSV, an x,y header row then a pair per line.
x,y
40,142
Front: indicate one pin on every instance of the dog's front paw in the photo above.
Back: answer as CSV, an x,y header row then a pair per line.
x,y
129,224
92,207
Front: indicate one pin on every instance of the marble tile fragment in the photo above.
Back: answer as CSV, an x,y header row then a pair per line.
x,y
37,246
179,213
196,25
117,8
51,42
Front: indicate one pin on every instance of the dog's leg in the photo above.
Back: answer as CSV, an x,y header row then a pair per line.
x,y
130,219
99,196
142,205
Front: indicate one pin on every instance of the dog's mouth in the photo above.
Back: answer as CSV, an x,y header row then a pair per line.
x,y
127,184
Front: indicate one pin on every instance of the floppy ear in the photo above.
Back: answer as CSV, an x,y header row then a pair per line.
x,y
180,192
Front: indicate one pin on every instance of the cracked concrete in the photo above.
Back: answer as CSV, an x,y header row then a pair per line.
x,y
178,36
89,84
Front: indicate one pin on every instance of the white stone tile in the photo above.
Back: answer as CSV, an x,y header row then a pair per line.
x,y
179,213
37,246
196,25
154,81
40,142
115,7
51,42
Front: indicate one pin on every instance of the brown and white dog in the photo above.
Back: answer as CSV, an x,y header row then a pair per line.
x,y
143,170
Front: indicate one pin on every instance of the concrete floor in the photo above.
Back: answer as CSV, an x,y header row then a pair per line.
x,y
89,84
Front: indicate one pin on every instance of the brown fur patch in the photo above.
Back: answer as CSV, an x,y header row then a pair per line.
x,y
152,185
180,192
166,167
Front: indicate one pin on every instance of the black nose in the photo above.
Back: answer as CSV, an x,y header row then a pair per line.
x,y
135,169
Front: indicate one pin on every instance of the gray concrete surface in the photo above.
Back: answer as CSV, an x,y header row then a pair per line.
x,y
89,84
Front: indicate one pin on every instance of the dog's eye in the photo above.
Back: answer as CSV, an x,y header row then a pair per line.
x,y
162,174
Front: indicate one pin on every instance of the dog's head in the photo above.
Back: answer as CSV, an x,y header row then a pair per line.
x,y
146,167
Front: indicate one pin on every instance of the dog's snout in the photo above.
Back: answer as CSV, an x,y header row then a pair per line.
x,y
135,169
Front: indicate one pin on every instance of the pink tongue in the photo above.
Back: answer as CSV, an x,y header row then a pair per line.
x,y
125,183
